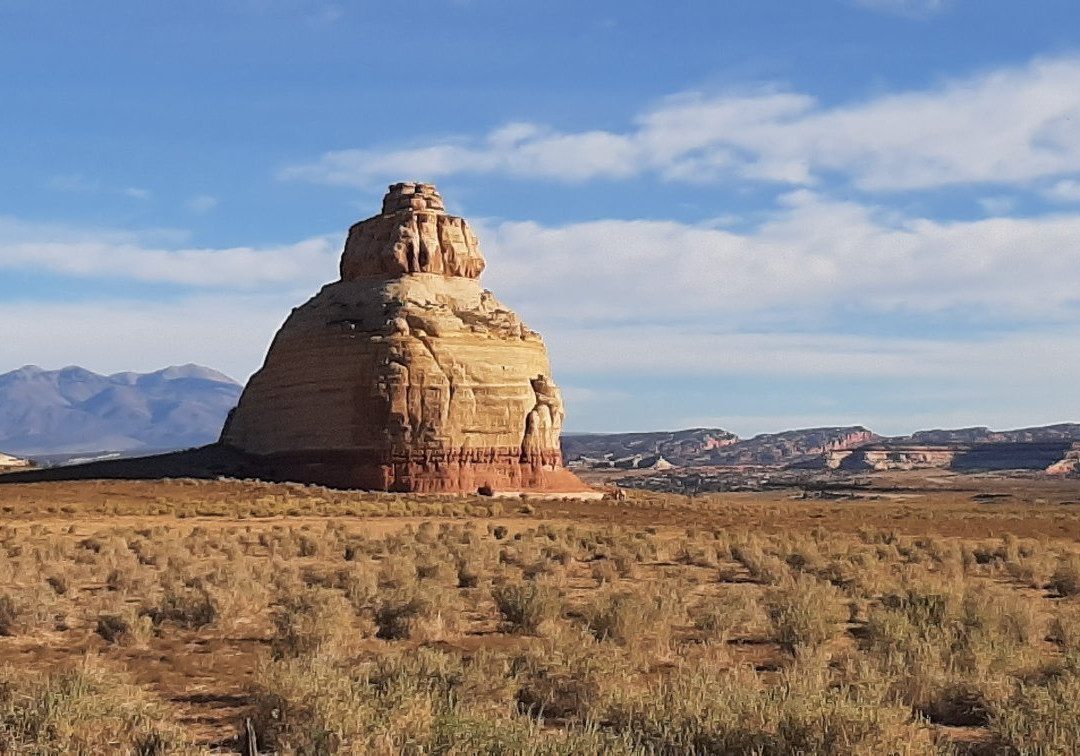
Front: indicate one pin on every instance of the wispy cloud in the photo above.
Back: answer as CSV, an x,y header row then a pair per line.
x,y
78,183
203,203
229,333
126,256
1008,125
629,298
1066,190
812,254
72,182
804,258
999,205
1029,377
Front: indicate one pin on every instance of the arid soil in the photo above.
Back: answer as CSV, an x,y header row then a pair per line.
x,y
201,594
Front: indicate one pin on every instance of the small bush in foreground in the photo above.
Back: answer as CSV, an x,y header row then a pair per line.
x,y
83,710
525,605
315,620
9,615
803,613
1066,578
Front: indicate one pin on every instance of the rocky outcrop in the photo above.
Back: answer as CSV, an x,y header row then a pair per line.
x,y
406,375
979,457
1068,464
882,458
636,450
8,462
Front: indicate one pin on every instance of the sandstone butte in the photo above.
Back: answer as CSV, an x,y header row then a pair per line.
x,y
406,375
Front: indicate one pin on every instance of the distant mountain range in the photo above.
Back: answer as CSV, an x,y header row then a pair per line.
x,y
75,411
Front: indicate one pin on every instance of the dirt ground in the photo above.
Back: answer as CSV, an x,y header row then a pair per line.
x,y
202,674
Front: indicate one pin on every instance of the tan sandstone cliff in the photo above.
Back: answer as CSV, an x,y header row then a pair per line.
x,y
406,375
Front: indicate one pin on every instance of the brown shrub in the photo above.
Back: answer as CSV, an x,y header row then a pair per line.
x,y
524,606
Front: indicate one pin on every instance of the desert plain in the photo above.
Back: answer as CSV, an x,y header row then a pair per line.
x,y
906,612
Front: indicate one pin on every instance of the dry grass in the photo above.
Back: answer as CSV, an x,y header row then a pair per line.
x,y
534,632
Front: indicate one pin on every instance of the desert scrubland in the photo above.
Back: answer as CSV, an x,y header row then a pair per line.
x,y
924,615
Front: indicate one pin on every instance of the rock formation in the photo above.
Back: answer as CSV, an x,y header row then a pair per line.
x,y
708,447
8,462
791,447
1051,456
882,458
1068,464
406,375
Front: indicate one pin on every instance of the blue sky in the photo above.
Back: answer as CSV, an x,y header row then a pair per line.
x,y
752,214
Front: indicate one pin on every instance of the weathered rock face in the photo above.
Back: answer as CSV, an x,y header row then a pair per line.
x,y
406,375
1052,456
1069,464
890,458
8,462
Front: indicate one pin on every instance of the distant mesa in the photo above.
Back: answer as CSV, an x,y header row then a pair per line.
x,y
1054,449
707,447
406,375
1049,448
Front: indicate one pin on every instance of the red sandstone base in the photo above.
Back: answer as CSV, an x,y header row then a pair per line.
x,y
493,471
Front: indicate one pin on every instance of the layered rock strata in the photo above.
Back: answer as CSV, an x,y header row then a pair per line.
x,y
1051,456
406,375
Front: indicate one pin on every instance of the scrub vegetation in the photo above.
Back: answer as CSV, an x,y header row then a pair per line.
x,y
525,631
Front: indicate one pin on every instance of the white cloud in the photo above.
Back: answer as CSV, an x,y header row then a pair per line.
x,y
685,351
203,203
1066,190
230,334
1024,378
1004,126
1007,381
125,256
999,205
72,182
78,183
810,256
657,300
